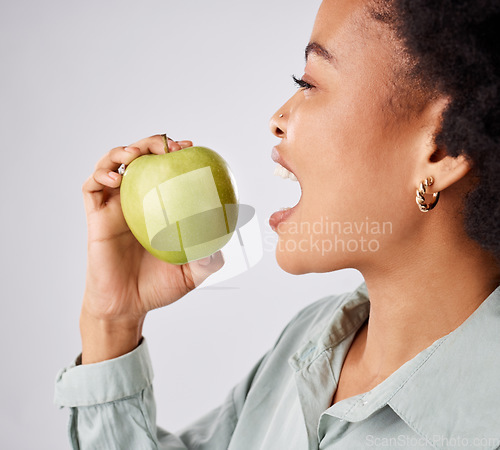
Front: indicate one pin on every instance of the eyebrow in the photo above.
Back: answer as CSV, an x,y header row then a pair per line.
x,y
318,49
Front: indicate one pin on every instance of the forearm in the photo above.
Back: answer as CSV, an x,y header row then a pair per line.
x,y
104,339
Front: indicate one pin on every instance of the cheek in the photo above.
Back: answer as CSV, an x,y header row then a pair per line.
x,y
335,132
356,201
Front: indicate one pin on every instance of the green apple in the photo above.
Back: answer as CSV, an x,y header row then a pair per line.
x,y
180,206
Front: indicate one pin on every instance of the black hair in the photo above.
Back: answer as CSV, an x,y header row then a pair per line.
x,y
453,48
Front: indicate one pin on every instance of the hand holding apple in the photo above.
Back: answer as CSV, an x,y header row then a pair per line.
x,y
124,281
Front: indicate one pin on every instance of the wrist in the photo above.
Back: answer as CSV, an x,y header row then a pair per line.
x,y
104,339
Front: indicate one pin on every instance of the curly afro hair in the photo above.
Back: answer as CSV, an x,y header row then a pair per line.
x,y
454,52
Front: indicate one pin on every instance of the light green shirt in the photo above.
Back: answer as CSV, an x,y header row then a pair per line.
x,y
448,396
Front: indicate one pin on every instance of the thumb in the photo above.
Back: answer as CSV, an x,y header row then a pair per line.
x,y
201,269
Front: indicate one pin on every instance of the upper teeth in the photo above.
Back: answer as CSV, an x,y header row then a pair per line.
x,y
280,171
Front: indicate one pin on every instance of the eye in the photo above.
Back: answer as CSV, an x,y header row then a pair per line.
x,y
301,83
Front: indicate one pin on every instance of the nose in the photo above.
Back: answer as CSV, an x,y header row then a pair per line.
x,y
277,123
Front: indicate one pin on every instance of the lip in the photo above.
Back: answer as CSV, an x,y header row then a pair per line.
x,y
280,216
277,158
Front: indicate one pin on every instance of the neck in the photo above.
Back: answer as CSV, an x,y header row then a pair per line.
x,y
420,297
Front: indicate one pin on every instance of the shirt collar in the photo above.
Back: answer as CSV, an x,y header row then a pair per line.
x,y
350,312
448,391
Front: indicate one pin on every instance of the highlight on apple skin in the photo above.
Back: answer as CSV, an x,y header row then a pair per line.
x,y
181,206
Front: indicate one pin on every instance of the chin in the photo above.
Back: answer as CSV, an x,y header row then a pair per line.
x,y
300,263
292,262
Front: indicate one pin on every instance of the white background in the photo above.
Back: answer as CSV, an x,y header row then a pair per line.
x,y
79,78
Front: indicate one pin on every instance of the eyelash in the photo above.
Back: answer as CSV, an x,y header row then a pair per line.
x,y
301,83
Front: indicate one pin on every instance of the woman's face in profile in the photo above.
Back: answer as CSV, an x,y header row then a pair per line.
x,y
350,146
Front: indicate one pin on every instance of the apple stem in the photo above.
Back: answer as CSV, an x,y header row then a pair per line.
x,y
165,142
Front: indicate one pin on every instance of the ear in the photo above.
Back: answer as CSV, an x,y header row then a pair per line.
x,y
434,161
447,170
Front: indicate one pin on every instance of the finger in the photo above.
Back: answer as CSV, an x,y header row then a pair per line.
x,y
101,179
185,144
118,156
107,178
173,146
93,189
153,144
203,268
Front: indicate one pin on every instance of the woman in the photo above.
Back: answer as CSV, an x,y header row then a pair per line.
x,y
394,122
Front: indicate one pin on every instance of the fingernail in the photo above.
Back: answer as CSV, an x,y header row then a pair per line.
x,y
113,175
129,149
205,261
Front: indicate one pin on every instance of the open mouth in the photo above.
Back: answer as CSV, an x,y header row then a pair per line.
x,y
283,172
284,213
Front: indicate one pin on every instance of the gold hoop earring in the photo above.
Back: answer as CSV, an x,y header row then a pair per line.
x,y
421,191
